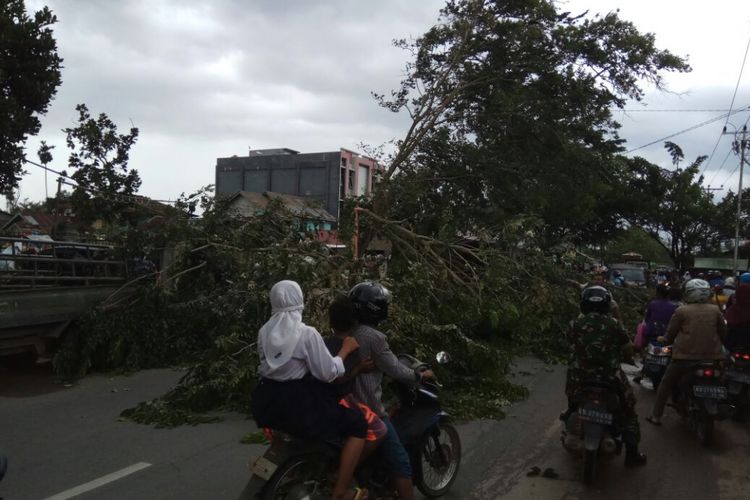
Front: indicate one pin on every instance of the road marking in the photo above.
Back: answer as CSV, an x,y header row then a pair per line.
x,y
96,483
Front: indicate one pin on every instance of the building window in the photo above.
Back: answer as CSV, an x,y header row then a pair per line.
x,y
343,162
363,180
350,189
342,184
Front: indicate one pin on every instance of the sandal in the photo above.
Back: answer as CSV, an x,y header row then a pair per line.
x,y
550,473
653,421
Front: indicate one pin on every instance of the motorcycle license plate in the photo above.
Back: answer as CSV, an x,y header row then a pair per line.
x,y
710,391
595,416
262,467
657,360
743,378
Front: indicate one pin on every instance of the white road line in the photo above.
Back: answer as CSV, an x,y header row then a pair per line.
x,y
96,483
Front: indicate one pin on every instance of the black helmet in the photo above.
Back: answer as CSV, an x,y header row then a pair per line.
x,y
595,299
371,301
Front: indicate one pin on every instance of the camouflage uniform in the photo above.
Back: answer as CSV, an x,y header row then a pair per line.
x,y
596,342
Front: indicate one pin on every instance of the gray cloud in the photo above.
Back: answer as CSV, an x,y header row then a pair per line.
x,y
207,79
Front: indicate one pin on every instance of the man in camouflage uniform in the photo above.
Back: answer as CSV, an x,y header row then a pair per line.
x,y
599,345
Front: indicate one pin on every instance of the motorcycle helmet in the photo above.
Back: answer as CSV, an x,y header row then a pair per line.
x,y
745,278
595,299
697,290
371,301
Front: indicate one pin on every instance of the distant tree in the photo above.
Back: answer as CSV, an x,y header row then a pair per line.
x,y
99,160
29,77
683,215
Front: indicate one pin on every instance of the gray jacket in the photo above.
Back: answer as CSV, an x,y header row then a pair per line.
x,y
368,386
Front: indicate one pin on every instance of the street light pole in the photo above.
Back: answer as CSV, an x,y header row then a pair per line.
x,y
739,147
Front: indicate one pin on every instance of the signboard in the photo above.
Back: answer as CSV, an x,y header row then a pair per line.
x,y
719,263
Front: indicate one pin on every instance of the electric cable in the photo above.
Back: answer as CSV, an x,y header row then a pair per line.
x,y
689,129
141,200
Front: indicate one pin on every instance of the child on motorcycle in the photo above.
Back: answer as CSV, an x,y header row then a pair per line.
x,y
599,345
294,394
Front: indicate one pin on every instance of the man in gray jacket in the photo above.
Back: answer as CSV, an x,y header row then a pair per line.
x,y
371,302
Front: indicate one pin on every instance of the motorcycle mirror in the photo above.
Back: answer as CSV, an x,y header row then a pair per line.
x,y
442,357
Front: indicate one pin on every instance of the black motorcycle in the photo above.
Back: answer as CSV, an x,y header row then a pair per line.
x,y
655,362
738,384
700,397
294,469
591,430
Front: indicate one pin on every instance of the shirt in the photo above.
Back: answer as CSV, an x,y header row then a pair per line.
x,y
596,343
697,331
334,346
658,314
368,387
309,356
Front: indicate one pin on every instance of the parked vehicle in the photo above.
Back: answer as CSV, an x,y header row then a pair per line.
x,y
655,362
296,469
738,384
634,275
591,431
700,398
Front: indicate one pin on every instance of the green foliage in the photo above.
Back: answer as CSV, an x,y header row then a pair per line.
x,y
29,77
512,104
99,159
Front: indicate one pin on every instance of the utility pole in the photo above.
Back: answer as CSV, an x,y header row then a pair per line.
x,y
739,147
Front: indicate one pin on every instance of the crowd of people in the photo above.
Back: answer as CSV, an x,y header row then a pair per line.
x,y
702,318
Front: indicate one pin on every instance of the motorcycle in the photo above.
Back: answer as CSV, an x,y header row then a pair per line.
x,y
738,384
700,398
591,430
295,469
655,362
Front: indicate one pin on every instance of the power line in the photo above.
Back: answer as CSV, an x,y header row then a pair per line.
x,y
731,105
739,78
699,125
74,183
675,110
722,166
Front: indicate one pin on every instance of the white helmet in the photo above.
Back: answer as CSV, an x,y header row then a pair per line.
x,y
697,290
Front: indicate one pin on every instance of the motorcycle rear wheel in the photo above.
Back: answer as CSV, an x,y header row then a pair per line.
x,y
704,427
589,467
299,478
432,478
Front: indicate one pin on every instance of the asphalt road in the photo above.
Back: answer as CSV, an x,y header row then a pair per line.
x,y
60,438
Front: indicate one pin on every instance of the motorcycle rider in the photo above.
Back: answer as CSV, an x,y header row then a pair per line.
x,y
738,321
371,301
599,345
294,394
658,314
697,330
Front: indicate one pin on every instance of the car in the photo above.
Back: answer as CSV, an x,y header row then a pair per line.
x,y
634,275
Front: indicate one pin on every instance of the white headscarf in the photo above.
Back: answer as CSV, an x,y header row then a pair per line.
x,y
280,335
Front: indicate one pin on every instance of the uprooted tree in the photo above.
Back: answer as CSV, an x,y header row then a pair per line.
x,y
512,147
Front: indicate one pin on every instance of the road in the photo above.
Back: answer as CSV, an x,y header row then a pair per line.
x,y
67,442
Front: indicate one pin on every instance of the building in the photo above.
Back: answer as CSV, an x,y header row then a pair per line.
x,y
325,177
312,218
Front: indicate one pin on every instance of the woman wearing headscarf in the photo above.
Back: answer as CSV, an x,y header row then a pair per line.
x,y
738,320
294,394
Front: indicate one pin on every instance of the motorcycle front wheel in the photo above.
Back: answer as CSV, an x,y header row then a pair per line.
x,y
437,461
589,467
301,478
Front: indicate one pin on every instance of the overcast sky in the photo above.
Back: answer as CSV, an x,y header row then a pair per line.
x,y
208,79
